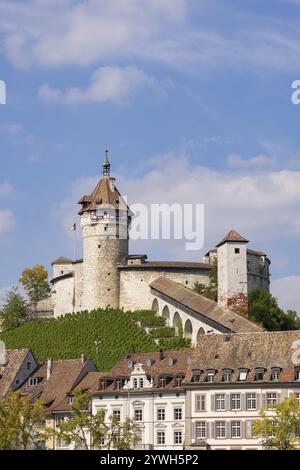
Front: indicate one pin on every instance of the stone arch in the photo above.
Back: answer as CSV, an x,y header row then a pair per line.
x,y
155,306
176,319
188,329
166,313
200,333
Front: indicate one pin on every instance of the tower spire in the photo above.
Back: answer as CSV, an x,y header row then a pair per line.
x,y
106,164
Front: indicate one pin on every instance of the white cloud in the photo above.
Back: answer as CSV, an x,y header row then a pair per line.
x,y
53,33
6,189
113,83
7,221
287,289
258,162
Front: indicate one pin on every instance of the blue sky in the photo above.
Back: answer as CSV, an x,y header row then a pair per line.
x,y
193,98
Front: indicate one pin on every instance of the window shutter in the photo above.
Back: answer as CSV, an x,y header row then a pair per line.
x,y
228,430
258,401
227,401
278,397
264,401
248,429
243,431
243,401
213,397
207,430
212,430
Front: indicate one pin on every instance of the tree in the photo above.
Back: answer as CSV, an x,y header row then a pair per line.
x,y
87,431
13,312
264,309
35,282
21,422
281,430
211,290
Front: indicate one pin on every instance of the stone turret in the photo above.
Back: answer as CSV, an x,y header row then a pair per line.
x,y
232,273
105,219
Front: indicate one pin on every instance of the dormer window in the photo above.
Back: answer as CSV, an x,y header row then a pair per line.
x,y
243,375
135,383
33,381
227,376
162,381
275,374
297,374
71,400
259,374
210,376
103,384
130,364
149,362
172,361
196,375
178,380
120,382
141,383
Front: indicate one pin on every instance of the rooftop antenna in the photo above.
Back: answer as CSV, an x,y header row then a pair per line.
x,y
106,164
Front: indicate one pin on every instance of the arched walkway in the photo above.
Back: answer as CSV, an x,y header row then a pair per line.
x,y
155,306
200,333
188,329
166,313
176,319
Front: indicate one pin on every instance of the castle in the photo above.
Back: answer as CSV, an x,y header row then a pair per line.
x,y
109,277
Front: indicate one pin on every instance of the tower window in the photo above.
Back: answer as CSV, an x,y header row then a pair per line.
x,y
237,251
108,274
108,290
99,246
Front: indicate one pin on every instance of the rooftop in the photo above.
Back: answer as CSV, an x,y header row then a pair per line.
x,y
232,236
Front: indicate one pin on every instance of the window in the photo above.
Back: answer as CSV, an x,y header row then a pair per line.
x,y
275,374
220,401
71,400
117,414
141,383
102,441
33,381
103,384
161,437
178,437
177,414
135,383
178,381
251,401
196,375
235,429
235,401
227,376
59,420
28,365
297,374
243,375
61,444
259,374
200,403
220,429
200,429
298,397
163,382
210,376
119,384
161,414
138,415
236,250
271,399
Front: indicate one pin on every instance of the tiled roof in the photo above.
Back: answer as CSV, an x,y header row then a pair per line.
x,y
159,366
265,350
168,265
232,236
63,378
104,194
8,371
202,306
62,260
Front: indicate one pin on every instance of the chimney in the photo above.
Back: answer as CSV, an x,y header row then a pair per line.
x,y
49,368
161,355
83,359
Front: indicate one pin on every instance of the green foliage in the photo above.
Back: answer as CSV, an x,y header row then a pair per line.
x,y
280,430
264,310
174,343
147,318
35,282
163,332
13,312
180,328
86,431
21,422
70,336
211,290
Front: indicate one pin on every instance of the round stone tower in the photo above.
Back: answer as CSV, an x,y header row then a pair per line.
x,y
104,219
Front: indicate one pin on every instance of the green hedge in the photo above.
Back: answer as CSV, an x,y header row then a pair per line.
x,y
174,343
147,318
